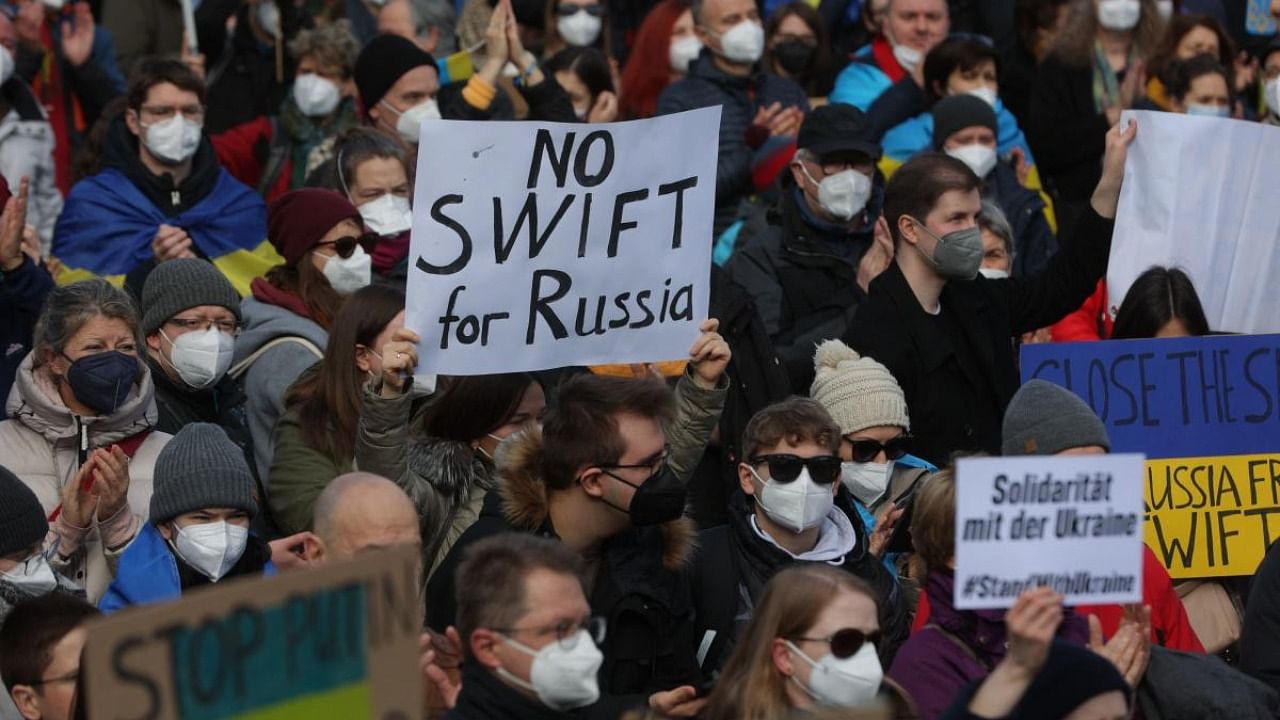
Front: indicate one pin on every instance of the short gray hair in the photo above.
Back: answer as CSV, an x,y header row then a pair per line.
x,y
993,219
437,14
69,307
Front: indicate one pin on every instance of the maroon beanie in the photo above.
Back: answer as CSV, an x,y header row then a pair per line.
x,y
298,219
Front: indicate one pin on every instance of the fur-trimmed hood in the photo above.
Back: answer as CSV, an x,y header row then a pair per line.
x,y
523,496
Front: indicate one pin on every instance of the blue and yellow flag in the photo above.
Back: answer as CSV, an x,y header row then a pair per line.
x,y
456,68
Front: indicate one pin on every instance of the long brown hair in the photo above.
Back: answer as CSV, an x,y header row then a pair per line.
x,y
328,398
751,687
1074,44
310,285
1177,29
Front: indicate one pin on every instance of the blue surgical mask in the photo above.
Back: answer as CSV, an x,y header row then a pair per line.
x,y
1209,110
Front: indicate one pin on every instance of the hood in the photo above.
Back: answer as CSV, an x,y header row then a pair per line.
x,y
264,322
452,466
120,151
524,497
34,402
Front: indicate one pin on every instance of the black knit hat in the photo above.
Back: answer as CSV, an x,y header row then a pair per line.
x,y
957,112
201,468
1071,677
382,62
22,521
180,285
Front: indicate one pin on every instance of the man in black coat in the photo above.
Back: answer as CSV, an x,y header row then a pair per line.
x,y
943,331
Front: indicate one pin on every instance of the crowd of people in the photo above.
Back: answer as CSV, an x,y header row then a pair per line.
x,y
208,376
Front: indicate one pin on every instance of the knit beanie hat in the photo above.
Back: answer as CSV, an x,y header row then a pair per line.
x,y
957,112
182,284
1045,419
858,391
22,521
201,468
382,62
298,219
1071,676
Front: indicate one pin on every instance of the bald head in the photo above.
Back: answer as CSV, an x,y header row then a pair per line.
x,y
359,512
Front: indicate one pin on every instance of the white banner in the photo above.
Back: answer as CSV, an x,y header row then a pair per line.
x,y
541,245
1073,523
1203,194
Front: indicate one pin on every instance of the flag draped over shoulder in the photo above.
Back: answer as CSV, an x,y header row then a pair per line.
x,y
108,225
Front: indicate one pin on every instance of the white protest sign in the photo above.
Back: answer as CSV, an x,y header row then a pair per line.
x,y
1200,194
541,245
1073,523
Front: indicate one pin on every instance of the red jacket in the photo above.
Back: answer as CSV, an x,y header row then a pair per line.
x,y
1084,324
244,150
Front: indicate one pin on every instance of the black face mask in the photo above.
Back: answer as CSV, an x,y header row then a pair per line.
x,y
102,381
660,499
794,56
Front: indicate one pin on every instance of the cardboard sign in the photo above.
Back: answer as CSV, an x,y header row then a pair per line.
x,y
541,245
340,641
1207,411
1190,199
1073,523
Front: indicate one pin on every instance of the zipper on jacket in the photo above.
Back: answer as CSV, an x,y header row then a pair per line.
x,y
83,431
175,198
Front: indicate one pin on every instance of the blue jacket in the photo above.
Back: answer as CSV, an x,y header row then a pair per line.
x,y
916,135
22,294
148,573
861,82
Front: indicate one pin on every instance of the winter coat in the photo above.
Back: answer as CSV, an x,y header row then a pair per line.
x,y
739,99
242,80
26,151
1260,636
22,295
958,647
1066,131
150,573
40,443
873,71
267,378
299,473
143,28
639,586
957,369
1092,321
733,563
485,697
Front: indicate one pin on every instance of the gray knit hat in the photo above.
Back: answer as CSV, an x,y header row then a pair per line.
x,y
22,521
1045,419
858,391
179,285
201,468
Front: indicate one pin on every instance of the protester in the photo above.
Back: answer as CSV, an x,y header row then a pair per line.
x,y
998,252
789,512
1037,23
665,47
1260,634
755,106
286,321
161,194
428,23
1185,37
25,569
315,439
361,512
1161,302
576,23
1199,86
83,380
895,58
247,67
276,153
198,531
373,172
26,140
41,644
24,285
811,643
584,74
808,263
965,127
797,48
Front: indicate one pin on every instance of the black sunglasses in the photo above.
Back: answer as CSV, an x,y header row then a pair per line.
x,y
824,469
865,451
346,246
847,642
567,9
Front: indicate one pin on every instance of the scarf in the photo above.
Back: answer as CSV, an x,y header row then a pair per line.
x,y
1106,86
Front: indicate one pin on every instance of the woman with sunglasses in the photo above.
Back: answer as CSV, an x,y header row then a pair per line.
x,y
811,643
576,23
286,321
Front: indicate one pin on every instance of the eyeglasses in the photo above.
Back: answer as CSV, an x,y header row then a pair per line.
x,y
345,247
162,112
845,643
865,451
70,677
653,466
565,9
566,632
784,468
230,327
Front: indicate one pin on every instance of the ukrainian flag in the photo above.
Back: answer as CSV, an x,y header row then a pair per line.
x,y
456,68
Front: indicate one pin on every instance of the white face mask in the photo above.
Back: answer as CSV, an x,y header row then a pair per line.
x,y
848,683
347,275
581,112
980,158
268,17
1119,15
1208,110
743,43
387,216
34,577
410,123
1272,92
798,505
6,65
579,29
174,140
201,358
842,195
683,52
1165,7
993,273
315,96
53,4
867,481
562,679
907,57
211,548
986,92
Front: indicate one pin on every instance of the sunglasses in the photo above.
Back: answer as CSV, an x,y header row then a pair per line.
x,y
567,9
345,247
824,469
865,451
847,642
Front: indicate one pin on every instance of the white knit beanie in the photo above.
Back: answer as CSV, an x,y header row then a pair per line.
x,y
858,392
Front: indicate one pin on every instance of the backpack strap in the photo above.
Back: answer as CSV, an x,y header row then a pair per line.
x,y
243,366
275,159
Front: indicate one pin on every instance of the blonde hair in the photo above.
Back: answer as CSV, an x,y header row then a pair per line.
x,y
1074,43
933,521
